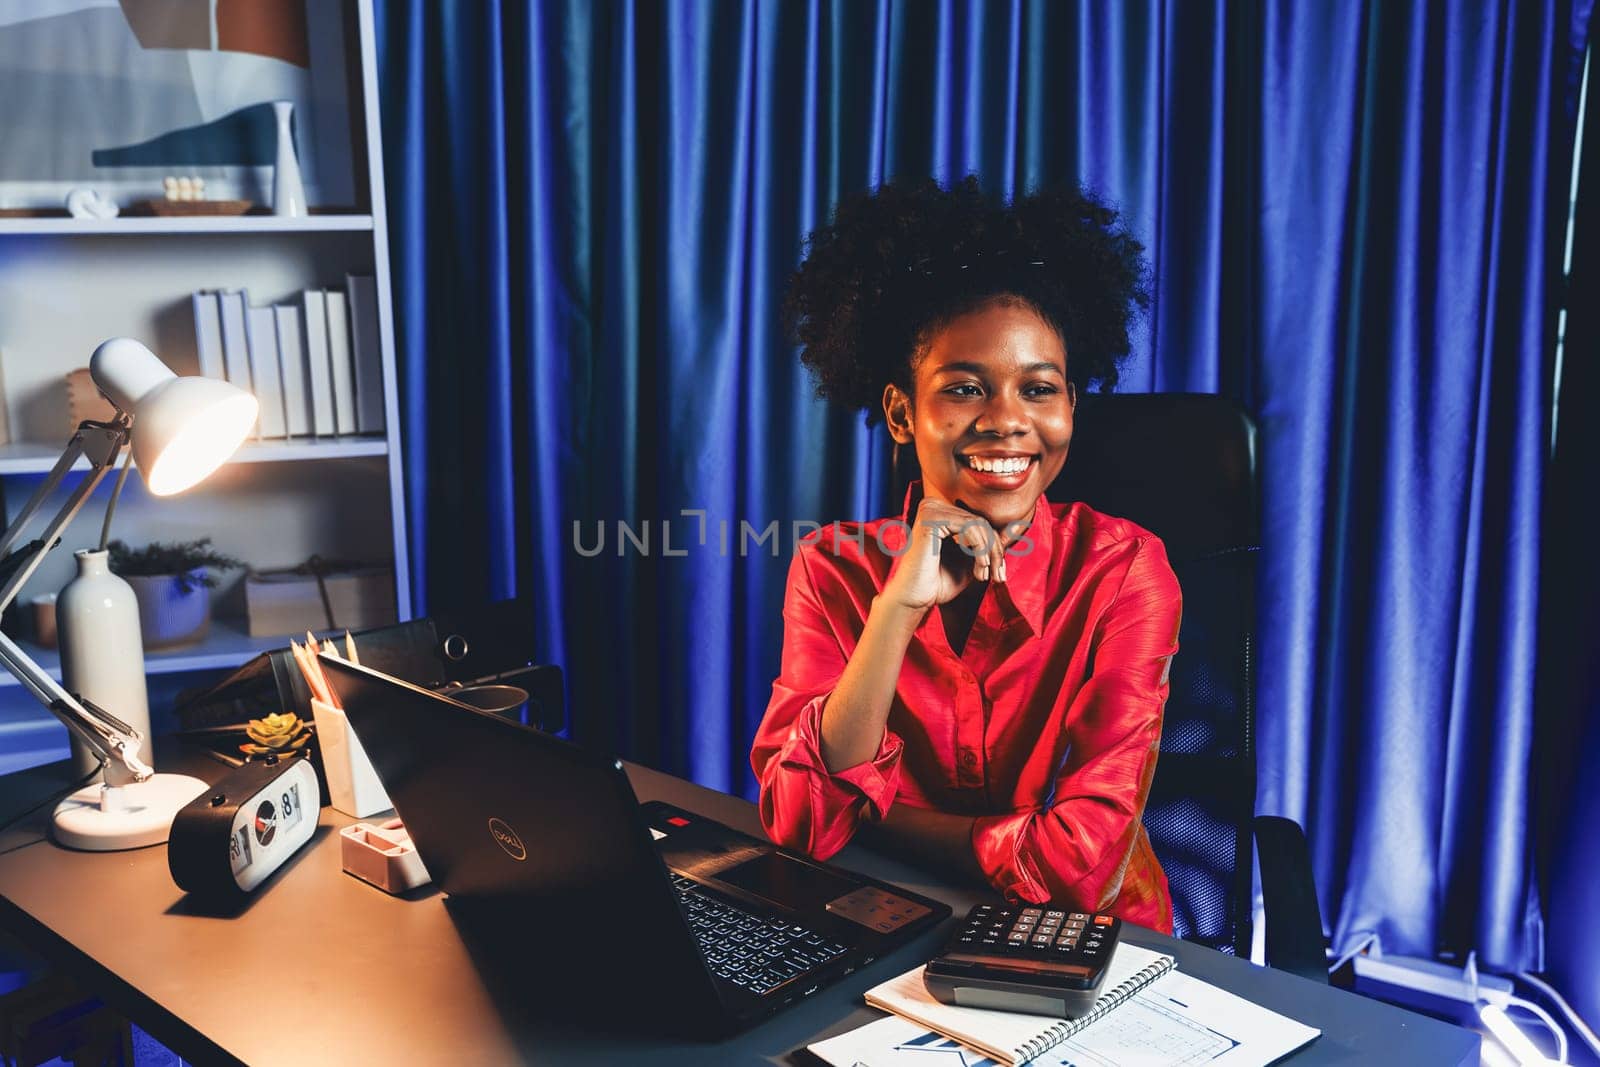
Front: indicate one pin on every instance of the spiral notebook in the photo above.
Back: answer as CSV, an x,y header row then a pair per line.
x,y
1148,1015
1010,1037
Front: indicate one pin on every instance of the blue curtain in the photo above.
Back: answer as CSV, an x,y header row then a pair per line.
x,y
1568,732
1348,213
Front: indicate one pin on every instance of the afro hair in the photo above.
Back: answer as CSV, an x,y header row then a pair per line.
x,y
898,263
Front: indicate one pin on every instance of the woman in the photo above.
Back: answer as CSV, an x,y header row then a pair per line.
x,y
981,677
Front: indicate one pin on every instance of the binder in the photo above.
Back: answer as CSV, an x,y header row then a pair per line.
x,y
344,378
208,334
261,333
314,338
235,348
292,360
366,351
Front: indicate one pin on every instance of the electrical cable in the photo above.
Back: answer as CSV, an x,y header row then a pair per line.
x,y
1577,1021
1549,1023
1366,943
111,506
53,797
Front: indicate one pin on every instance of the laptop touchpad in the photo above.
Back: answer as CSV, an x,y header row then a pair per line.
x,y
787,882
803,887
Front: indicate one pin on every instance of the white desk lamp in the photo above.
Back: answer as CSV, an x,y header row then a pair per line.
x,y
182,429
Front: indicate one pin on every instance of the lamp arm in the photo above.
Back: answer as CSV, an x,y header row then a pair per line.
x,y
13,532
101,442
116,742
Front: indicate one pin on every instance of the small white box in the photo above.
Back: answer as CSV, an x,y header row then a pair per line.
x,y
288,602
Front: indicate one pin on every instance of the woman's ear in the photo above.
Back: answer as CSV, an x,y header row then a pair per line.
x,y
897,413
1072,396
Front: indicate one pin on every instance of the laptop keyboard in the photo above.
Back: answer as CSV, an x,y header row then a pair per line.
x,y
753,951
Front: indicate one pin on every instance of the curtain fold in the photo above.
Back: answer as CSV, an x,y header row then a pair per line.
x,y
1347,212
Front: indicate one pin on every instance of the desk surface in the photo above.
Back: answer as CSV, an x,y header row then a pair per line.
x,y
322,968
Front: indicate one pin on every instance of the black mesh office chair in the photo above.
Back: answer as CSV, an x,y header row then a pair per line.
x,y
1183,466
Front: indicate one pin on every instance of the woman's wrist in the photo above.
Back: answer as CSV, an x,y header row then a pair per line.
x,y
898,617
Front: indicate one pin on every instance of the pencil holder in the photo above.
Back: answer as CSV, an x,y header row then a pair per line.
x,y
353,786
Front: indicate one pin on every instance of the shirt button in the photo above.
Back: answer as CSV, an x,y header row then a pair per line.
x,y
969,758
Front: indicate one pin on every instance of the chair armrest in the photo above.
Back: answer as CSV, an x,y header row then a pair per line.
x,y
1289,898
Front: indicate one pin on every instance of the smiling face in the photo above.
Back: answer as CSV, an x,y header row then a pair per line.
x,y
990,411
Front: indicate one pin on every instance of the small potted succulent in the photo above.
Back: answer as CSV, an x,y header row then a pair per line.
x,y
278,734
172,583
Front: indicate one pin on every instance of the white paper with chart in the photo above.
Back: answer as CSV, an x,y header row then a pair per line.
x,y
1172,1020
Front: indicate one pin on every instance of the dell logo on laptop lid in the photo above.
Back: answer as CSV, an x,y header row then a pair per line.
x,y
507,839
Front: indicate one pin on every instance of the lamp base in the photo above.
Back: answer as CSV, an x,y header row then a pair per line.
x,y
100,818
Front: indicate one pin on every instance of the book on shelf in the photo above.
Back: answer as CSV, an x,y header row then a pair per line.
x,y
261,332
314,340
344,377
366,351
1149,1014
235,348
292,361
208,334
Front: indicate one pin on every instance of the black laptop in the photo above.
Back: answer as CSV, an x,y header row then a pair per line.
x,y
549,858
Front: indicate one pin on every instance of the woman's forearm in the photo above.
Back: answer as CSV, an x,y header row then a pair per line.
x,y
934,839
857,711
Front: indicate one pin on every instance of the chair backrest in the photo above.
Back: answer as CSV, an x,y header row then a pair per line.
x,y
1183,466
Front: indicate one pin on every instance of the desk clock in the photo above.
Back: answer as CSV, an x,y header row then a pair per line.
x,y
234,835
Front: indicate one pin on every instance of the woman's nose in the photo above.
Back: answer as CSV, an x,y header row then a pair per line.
x,y
1002,415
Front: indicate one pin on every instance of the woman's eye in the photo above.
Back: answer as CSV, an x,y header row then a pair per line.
x,y
1040,389
964,389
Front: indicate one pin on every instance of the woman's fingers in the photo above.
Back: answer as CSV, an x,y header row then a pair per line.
x,y
978,538
982,545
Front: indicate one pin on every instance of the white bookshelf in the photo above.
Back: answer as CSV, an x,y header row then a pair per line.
x,y
182,225
31,458
68,284
226,644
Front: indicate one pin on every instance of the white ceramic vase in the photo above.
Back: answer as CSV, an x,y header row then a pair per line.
x,y
288,195
102,652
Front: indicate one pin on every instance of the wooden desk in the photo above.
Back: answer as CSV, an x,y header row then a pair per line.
x,y
322,968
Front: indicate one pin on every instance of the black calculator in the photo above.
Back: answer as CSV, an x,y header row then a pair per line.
x,y
1042,959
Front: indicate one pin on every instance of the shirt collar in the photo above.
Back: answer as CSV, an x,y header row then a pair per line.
x,y
1027,562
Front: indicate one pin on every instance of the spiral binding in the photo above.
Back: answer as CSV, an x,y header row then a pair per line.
x,y
1104,1006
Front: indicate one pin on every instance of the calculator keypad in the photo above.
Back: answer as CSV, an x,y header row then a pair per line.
x,y
1038,933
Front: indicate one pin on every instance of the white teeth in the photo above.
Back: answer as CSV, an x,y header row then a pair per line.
x,y
999,466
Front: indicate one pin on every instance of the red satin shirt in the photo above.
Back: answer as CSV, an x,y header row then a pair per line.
x,y
1046,726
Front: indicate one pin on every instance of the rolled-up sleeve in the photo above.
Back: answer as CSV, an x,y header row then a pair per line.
x,y
1077,849
804,806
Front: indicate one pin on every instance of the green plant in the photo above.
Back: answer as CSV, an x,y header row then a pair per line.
x,y
179,559
285,732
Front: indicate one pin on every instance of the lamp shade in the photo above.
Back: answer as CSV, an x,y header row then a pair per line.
x,y
183,428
